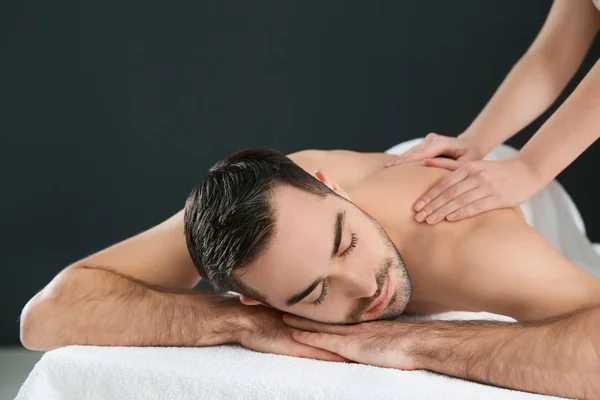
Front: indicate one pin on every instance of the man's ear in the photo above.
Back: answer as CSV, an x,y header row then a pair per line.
x,y
331,184
249,301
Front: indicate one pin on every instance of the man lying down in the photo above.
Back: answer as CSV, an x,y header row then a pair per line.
x,y
340,249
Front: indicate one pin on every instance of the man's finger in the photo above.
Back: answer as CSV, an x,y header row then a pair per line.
x,y
313,326
306,351
326,341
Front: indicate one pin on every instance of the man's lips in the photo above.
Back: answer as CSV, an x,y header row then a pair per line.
x,y
384,297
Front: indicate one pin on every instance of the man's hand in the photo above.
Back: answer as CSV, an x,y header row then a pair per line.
x,y
558,356
380,343
264,331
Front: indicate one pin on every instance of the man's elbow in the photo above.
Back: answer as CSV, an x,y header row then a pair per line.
x,y
31,326
41,318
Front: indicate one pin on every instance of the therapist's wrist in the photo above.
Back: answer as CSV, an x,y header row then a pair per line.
x,y
536,173
480,146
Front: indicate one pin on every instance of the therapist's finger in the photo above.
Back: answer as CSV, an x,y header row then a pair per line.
x,y
459,202
409,156
314,326
431,146
446,163
477,207
432,211
446,182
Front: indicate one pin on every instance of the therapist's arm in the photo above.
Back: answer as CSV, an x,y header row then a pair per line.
x,y
539,76
571,130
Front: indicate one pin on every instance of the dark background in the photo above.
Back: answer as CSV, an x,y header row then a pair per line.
x,y
111,113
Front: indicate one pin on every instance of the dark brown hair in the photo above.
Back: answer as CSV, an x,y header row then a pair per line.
x,y
229,221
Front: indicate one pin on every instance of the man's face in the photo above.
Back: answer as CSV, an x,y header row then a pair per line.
x,y
329,261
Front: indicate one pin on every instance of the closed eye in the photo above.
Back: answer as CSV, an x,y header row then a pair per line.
x,y
348,250
352,246
322,296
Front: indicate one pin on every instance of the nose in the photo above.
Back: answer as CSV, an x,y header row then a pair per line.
x,y
361,284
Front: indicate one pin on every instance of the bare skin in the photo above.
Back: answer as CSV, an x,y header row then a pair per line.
x,y
494,262
139,292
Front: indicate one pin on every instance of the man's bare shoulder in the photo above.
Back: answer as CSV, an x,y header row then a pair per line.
x,y
347,168
157,256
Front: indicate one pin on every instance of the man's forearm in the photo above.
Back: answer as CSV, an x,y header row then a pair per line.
x,y
90,306
559,356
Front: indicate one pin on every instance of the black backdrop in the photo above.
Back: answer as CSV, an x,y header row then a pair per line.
x,y
112,112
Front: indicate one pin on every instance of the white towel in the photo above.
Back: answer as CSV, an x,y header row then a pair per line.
x,y
232,372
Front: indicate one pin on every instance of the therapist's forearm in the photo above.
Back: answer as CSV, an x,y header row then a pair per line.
x,y
559,356
528,90
570,130
90,306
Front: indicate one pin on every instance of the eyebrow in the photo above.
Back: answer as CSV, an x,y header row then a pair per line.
x,y
337,232
337,240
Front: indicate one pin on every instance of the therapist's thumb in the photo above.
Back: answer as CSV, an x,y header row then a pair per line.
x,y
428,148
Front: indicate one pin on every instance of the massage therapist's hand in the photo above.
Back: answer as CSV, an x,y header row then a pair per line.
x,y
476,187
263,330
389,344
435,145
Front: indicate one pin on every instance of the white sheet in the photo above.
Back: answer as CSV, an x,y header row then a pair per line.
x,y
231,372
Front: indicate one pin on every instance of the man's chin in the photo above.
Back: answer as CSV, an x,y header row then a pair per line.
x,y
393,311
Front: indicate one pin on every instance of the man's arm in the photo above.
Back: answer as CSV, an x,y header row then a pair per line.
x,y
93,306
135,293
558,356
